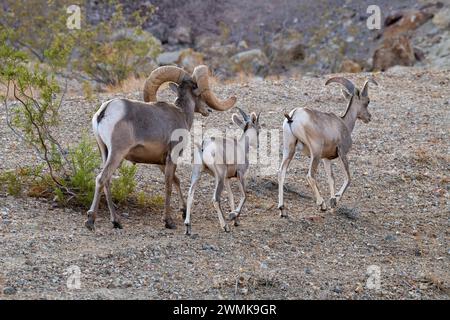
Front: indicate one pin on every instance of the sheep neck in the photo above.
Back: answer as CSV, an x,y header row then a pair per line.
x,y
350,116
187,106
245,140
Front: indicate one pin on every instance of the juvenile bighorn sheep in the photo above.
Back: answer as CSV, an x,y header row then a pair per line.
x,y
141,132
225,158
323,135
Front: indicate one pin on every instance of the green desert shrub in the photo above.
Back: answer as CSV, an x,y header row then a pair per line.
x,y
125,184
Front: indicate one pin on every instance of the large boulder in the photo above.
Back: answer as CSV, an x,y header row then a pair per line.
x,y
350,66
287,49
442,18
160,31
204,42
393,51
252,61
439,54
404,21
168,58
189,59
181,35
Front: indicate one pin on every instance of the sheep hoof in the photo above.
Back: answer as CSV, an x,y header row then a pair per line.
x,y
283,213
233,215
169,224
117,225
188,228
90,224
226,228
333,202
323,206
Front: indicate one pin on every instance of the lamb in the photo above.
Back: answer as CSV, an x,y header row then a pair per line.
x,y
225,158
323,136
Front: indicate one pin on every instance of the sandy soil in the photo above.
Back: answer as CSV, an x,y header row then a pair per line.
x,y
394,216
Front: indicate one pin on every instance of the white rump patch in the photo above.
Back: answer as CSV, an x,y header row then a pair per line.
x,y
115,111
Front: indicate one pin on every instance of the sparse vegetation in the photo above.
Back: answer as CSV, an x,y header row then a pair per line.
x,y
33,116
85,161
125,184
108,52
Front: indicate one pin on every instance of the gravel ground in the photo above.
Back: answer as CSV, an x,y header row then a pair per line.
x,y
394,217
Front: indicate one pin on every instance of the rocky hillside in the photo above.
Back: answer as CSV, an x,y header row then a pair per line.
x,y
295,36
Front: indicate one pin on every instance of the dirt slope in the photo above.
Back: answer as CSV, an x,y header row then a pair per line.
x,y
395,214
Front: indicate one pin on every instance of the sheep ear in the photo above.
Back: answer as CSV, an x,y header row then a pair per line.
x,y
253,117
173,87
346,94
237,120
365,89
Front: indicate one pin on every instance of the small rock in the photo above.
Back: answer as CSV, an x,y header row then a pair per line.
x,y
337,289
284,286
9,290
359,288
209,247
390,237
423,286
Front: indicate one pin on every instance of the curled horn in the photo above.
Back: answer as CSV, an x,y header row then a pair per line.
x,y
345,82
244,115
159,76
201,77
365,89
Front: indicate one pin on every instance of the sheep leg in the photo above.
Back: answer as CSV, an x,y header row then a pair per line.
x,y
289,144
230,194
311,177
182,202
169,174
216,201
196,174
111,165
344,165
234,215
115,220
176,181
330,176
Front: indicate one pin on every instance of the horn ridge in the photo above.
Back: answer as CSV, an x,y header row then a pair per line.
x,y
343,81
159,76
201,77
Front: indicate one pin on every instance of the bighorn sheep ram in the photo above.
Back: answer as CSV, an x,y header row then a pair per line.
x,y
325,136
225,158
141,131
